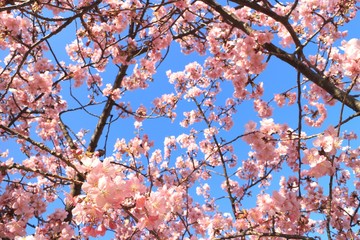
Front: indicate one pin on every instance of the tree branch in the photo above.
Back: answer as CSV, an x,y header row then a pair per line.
x,y
306,70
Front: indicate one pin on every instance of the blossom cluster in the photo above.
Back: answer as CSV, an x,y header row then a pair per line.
x,y
232,167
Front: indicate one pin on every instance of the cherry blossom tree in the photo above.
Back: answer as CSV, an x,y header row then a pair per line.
x,y
74,76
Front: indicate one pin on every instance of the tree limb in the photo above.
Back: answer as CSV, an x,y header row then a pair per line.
x,y
306,70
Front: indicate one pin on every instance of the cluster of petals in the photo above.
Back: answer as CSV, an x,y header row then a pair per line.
x,y
318,116
144,193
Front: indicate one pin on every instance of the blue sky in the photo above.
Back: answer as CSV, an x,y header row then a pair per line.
x,y
277,78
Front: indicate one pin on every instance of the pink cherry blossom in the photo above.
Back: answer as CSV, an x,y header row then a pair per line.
x,y
262,108
190,137
352,48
